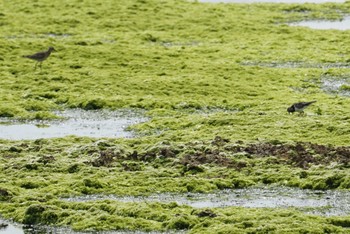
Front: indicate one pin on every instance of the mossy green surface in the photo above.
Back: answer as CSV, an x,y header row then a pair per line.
x,y
36,175
186,64
172,56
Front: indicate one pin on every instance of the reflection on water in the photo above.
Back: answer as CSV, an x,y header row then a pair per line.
x,y
101,123
343,24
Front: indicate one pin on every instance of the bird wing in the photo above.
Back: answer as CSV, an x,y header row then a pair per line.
x,y
37,56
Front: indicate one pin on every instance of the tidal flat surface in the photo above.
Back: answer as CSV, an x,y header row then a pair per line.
x,y
77,122
175,60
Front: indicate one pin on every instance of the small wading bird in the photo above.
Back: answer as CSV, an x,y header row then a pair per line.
x,y
40,56
299,107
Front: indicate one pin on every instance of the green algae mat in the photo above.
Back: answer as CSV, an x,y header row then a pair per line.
x,y
215,81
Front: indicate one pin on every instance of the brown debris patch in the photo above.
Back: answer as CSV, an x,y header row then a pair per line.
x,y
207,213
301,154
46,159
209,156
219,141
4,194
105,159
162,151
220,152
132,166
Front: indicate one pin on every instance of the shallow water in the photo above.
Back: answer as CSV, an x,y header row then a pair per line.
x,y
343,24
101,123
325,203
10,228
13,228
272,1
334,85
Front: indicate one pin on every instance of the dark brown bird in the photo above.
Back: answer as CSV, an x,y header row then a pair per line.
x,y
40,56
299,107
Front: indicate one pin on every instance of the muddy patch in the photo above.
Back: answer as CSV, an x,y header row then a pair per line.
x,y
343,24
325,203
223,153
96,123
300,154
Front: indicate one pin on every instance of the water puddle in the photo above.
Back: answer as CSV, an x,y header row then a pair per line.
x,y
97,123
7,227
271,1
336,85
325,203
296,64
343,24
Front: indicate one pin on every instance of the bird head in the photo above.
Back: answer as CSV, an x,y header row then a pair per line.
x,y
51,49
291,109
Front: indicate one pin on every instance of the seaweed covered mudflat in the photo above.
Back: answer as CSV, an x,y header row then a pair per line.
x,y
204,142
42,178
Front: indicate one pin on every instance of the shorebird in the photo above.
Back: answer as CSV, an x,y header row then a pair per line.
x,y
299,107
40,56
